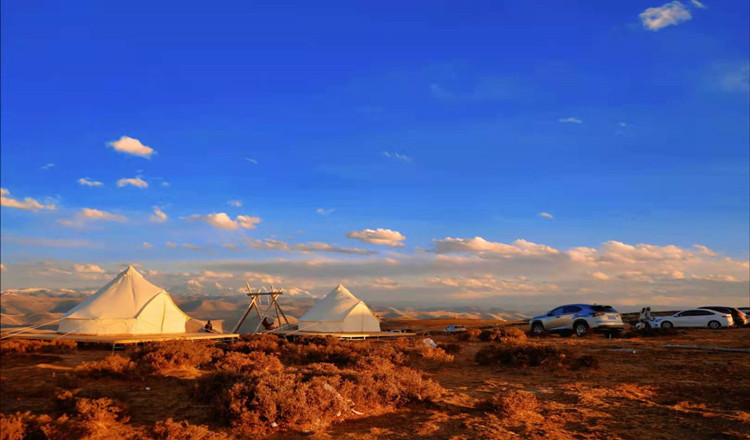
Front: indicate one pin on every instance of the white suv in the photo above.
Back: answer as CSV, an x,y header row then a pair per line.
x,y
578,319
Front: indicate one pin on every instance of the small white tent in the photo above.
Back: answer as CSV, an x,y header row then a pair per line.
x,y
340,312
127,305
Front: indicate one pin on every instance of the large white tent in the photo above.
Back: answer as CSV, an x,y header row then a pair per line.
x,y
127,305
340,312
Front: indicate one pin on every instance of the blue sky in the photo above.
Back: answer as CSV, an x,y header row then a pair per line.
x,y
432,119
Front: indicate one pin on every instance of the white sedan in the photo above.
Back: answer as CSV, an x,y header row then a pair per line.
x,y
694,318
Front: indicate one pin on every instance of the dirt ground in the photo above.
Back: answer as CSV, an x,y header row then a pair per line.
x,y
641,389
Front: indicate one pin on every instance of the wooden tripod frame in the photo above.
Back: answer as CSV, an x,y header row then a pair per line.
x,y
255,304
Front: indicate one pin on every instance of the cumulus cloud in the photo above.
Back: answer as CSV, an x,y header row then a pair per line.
x,y
222,221
158,216
128,145
91,215
546,214
135,181
381,236
669,14
235,203
482,247
84,181
570,121
322,211
27,204
88,268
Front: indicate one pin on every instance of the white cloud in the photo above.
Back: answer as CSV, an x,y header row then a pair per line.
x,y
669,14
397,156
231,247
88,268
88,214
192,247
158,216
165,184
84,181
251,160
314,246
28,203
171,245
382,236
132,146
223,221
698,4
482,247
50,242
47,166
322,211
735,78
570,121
704,250
135,181
622,124
235,203
600,276
546,214
147,245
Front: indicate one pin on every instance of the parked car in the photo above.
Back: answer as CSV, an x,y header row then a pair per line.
x,y
454,329
694,318
738,316
579,319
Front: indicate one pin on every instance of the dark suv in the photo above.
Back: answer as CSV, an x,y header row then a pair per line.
x,y
740,319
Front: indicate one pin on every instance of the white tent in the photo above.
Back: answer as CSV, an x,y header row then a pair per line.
x,y
127,305
340,312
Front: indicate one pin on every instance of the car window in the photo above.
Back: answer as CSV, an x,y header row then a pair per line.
x,y
555,311
703,313
688,313
571,309
606,309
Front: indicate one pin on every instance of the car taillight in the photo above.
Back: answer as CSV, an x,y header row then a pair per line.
x,y
598,314
726,316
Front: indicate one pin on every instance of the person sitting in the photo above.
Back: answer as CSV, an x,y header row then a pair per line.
x,y
268,324
209,328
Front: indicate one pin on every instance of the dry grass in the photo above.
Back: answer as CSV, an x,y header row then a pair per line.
x,y
8,346
510,404
171,430
160,358
531,354
114,366
502,333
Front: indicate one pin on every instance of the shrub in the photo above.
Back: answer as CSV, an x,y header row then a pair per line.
x,y
12,427
521,354
502,333
529,354
114,366
163,357
314,396
171,430
258,342
451,348
510,404
435,354
32,346
332,352
237,362
471,334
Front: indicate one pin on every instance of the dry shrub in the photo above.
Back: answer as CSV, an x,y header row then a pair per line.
x,y
654,333
236,362
12,427
524,354
332,352
435,354
164,357
584,362
258,342
91,419
471,334
114,366
34,346
171,430
311,397
451,348
502,333
511,404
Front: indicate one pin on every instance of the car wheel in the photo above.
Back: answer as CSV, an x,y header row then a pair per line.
x,y
581,328
667,325
537,328
714,325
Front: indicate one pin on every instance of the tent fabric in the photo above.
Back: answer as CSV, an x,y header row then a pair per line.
x,y
127,305
340,312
